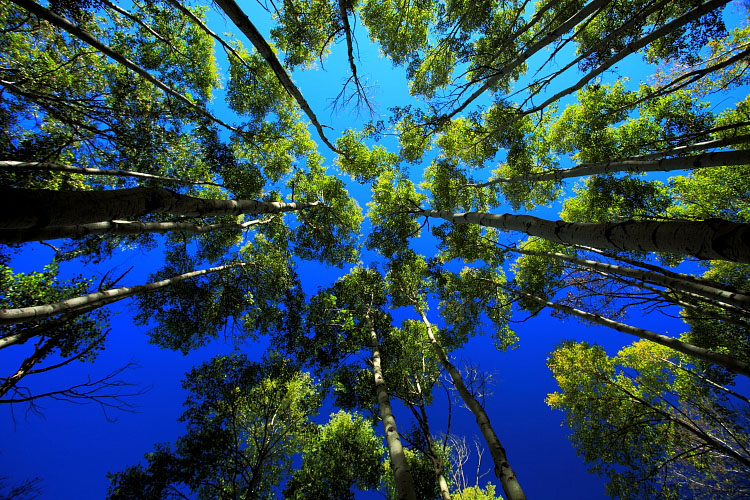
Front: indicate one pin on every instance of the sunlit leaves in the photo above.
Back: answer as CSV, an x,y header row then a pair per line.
x,y
361,162
346,439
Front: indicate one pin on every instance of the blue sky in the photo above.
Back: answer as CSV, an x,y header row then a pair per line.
x,y
72,447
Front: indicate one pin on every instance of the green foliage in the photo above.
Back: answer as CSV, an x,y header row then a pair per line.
x,y
343,455
361,162
469,297
477,493
393,198
538,275
422,471
249,300
245,421
330,232
609,199
83,334
305,30
650,428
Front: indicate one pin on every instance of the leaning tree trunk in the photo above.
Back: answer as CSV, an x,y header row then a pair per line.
x,y
722,298
92,300
116,227
729,362
638,165
714,239
401,474
240,19
503,470
41,208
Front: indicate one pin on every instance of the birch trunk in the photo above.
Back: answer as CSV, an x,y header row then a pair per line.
x,y
705,160
65,25
119,227
729,362
91,300
41,208
503,470
401,474
240,19
713,239
56,167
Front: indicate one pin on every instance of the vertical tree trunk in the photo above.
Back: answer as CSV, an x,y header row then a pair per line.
x,y
503,470
401,474
713,239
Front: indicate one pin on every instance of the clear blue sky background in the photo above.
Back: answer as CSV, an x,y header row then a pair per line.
x,y
72,447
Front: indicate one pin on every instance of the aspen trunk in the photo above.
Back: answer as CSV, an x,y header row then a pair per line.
x,y
240,19
40,208
23,314
14,166
713,239
705,160
503,470
729,362
118,227
401,474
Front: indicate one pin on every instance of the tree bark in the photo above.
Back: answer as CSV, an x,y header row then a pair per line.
x,y
503,470
23,314
705,160
119,227
56,167
631,48
713,239
401,474
42,208
729,362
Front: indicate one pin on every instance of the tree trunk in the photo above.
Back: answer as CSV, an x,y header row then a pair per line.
x,y
41,208
713,239
401,474
705,160
722,298
240,19
14,166
729,362
119,227
631,48
503,471
22,314
550,37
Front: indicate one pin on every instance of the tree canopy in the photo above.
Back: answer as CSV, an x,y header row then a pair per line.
x,y
578,163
